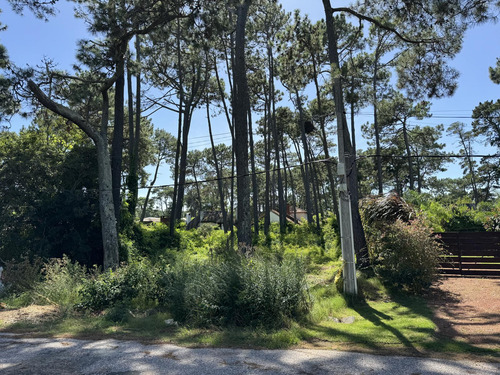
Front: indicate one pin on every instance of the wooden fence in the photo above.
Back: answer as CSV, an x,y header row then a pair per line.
x,y
471,253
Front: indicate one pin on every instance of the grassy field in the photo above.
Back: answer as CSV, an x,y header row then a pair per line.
x,y
380,322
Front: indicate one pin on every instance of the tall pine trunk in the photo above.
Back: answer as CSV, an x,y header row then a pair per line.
x,y
240,112
359,239
117,145
281,199
305,146
220,187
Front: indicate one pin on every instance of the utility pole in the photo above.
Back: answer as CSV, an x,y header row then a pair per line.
x,y
346,160
345,209
346,232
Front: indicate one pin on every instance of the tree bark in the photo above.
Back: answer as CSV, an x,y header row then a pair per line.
x,y
155,175
376,127
324,139
217,171
408,156
132,178
305,146
267,166
240,111
255,187
183,161
281,199
117,145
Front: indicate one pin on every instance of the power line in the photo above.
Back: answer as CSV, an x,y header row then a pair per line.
x,y
444,156
326,160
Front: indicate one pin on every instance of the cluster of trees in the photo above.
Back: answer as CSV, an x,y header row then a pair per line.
x,y
239,59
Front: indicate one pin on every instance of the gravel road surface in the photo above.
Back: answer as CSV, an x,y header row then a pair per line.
x,y
113,357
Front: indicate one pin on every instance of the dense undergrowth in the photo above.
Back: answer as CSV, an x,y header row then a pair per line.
x,y
199,278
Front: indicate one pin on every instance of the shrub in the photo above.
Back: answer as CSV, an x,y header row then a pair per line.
x,y
463,219
457,217
492,222
133,284
386,209
153,240
203,293
273,292
332,238
21,276
405,255
62,280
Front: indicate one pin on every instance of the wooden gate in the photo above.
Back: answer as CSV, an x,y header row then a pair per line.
x,y
471,253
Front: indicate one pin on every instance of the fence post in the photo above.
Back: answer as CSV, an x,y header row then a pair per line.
x,y
459,253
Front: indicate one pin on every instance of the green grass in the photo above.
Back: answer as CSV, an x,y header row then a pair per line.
x,y
384,322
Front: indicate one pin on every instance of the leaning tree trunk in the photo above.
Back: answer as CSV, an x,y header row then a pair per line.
x,y
106,205
151,185
359,238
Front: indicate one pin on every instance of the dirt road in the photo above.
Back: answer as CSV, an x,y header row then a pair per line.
x,y
112,357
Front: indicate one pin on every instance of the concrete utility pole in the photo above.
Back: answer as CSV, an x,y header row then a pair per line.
x,y
346,232
346,161
345,216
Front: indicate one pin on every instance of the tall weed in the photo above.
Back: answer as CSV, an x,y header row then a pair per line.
x,y
62,280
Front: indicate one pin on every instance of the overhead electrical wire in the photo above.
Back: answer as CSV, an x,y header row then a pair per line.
x,y
326,160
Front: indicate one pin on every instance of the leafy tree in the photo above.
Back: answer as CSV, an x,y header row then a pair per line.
x,y
269,20
468,165
8,103
118,23
394,115
48,184
177,64
164,146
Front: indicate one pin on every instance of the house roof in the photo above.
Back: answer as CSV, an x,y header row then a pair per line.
x,y
195,221
151,220
288,217
212,217
208,217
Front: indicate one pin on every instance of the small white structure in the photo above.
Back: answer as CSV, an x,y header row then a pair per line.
x,y
275,217
296,211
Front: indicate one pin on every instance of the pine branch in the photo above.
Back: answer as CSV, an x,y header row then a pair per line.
x,y
382,26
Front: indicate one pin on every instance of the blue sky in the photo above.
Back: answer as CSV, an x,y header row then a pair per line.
x,y
28,40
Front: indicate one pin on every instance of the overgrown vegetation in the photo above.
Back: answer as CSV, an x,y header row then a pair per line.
x,y
200,281
201,292
403,251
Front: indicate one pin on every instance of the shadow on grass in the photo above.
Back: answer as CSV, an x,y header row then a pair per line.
x,y
153,328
